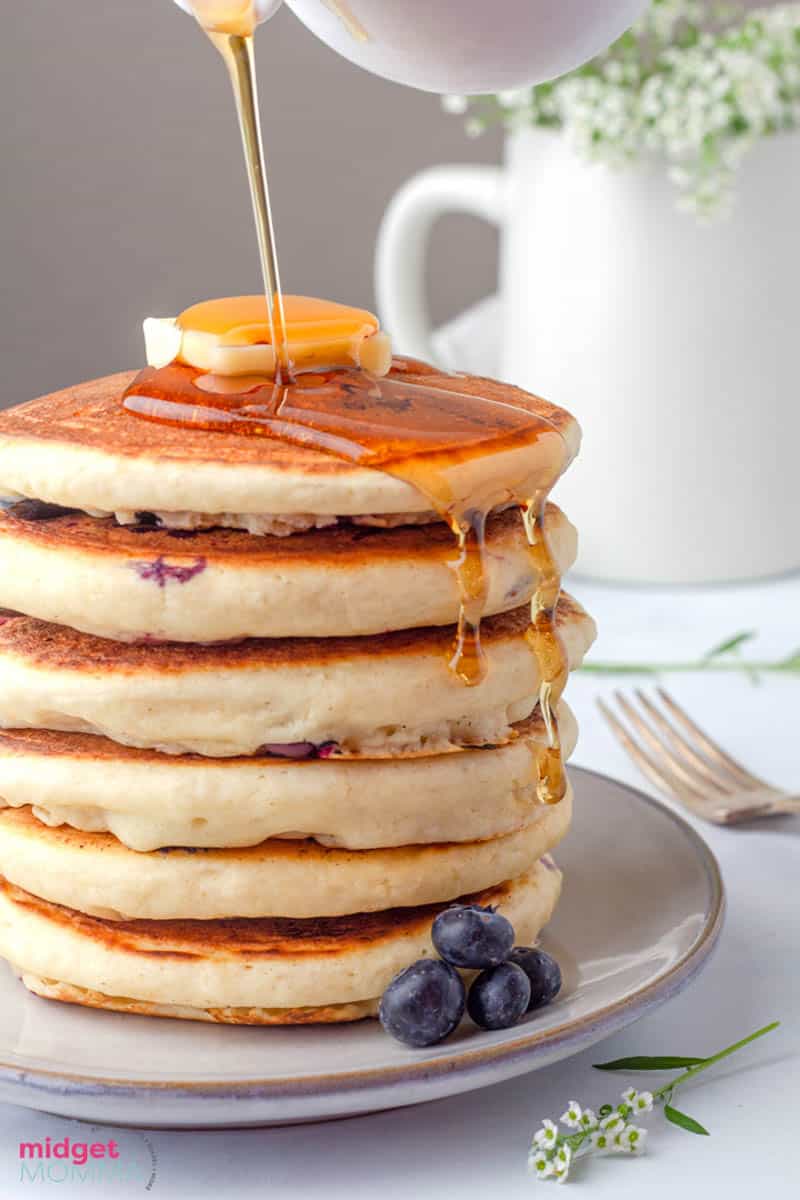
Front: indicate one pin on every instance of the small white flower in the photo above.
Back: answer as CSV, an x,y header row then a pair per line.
x,y
614,71
640,1102
456,105
588,1119
561,1163
540,1164
572,1117
547,1135
631,1140
514,97
613,1123
601,1141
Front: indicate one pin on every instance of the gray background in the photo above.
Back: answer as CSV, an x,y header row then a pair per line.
x,y
123,188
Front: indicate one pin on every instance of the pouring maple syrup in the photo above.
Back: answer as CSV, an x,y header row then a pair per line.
x,y
424,434
230,25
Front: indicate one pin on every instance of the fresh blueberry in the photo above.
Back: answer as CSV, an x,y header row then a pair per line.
x,y
467,935
423,1004
543,972
39,510
499,997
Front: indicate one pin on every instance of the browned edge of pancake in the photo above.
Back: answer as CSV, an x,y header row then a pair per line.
x,y
50,744
91,415
244,937
325,1014
311,855
57,647
340,546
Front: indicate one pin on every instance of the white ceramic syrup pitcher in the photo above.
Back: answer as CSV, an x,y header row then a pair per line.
x,y
457,45
673,342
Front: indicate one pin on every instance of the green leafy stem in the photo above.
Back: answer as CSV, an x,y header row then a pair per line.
x,y
723,657
693,1067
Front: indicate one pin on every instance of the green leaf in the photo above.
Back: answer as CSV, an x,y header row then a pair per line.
x,y
685,1122
643,1062
732,643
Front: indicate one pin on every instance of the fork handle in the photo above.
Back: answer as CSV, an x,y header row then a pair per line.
x,y
786,804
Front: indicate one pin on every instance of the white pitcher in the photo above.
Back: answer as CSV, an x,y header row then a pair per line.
x,y
450,45
675,344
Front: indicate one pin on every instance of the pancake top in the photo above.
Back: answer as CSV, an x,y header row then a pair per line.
x,y
244,937
80,448
58,648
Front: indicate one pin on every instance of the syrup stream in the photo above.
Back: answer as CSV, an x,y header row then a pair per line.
x,y
237,53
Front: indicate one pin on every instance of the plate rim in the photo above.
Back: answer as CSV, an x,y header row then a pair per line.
x,y
461,1061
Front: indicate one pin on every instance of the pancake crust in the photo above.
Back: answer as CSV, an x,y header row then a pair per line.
x,y
244,937
324,1014
342,545
60,648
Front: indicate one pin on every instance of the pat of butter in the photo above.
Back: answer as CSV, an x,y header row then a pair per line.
x,y
231,337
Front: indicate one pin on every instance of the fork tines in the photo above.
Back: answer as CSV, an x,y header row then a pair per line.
x,y
682,760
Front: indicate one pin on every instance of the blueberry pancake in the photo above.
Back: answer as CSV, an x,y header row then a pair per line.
x,y
143,582
79,448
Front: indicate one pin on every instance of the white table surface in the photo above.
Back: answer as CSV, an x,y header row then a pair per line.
x,y
474,1146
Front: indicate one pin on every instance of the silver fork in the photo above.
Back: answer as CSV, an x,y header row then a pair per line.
x,y
684,762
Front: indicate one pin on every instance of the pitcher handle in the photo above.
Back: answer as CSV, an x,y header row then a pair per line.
x,y
403,243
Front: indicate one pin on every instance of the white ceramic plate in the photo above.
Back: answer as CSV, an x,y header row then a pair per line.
x,y
641,911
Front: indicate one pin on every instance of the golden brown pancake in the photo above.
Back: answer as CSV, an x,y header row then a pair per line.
x,y
98,786
135,582
372,696
80,448
59,648
95,873
267,971
341,546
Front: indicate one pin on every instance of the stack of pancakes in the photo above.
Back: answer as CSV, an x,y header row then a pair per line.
x,y
238,777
